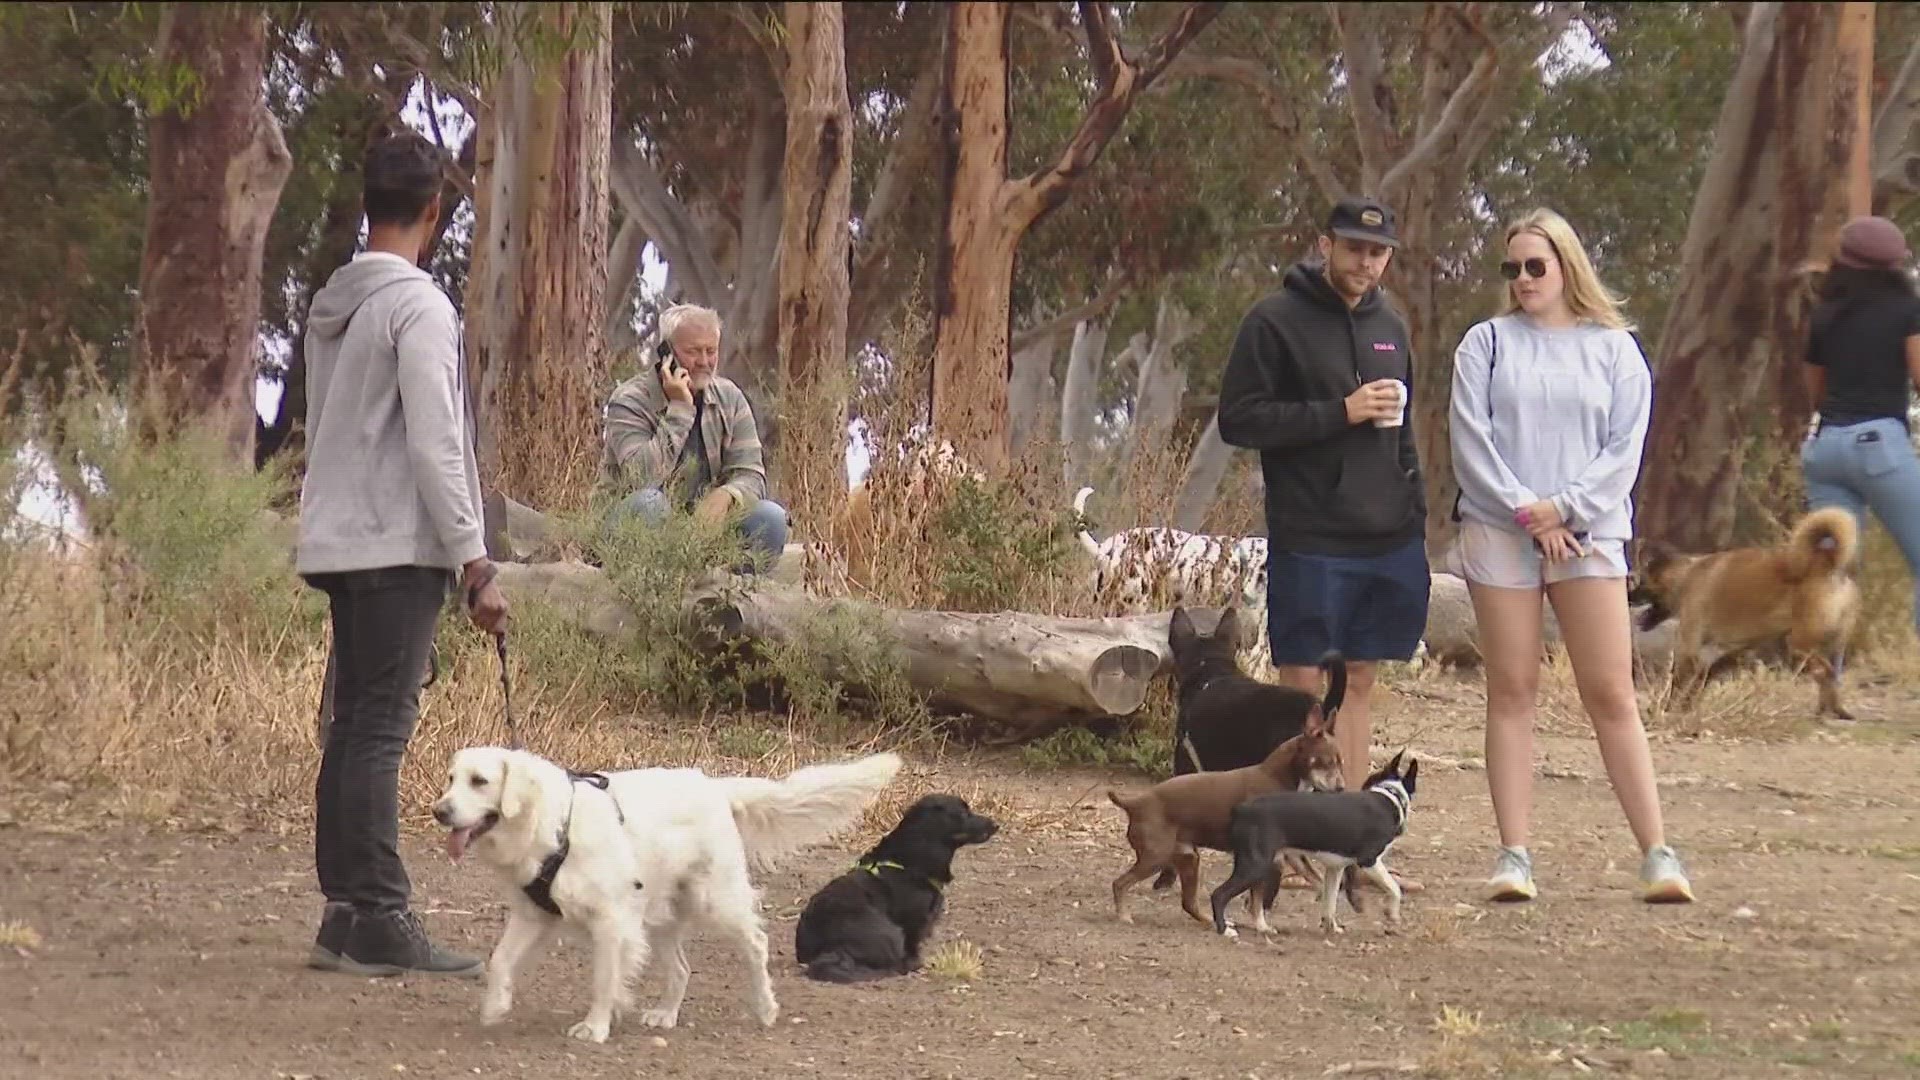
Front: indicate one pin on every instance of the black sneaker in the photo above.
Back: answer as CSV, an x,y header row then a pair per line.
x,y
394,943
336,925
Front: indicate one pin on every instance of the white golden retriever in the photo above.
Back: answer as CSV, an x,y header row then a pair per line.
x,y
641,856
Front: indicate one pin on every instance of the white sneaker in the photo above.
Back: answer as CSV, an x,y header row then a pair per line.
x,y
1662,879
1512,879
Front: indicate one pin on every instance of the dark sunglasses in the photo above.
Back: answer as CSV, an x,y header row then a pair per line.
x,y
1535,268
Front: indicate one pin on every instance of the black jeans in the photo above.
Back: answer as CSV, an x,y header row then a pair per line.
x,y
383,627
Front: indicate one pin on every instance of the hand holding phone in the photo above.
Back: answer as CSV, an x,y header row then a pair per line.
x,y
673,378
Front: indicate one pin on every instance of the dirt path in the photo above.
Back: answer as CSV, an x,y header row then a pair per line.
x,y
178,954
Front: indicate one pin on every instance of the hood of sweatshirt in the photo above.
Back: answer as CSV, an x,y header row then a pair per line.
x,y
1308,280
349,287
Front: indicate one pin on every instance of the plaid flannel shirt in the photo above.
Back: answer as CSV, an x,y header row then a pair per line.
x,y
644,434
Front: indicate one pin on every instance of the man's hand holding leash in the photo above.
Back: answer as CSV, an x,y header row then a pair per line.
x,y
486,605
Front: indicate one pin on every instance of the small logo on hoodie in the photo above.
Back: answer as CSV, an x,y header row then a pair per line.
x,y
1385,346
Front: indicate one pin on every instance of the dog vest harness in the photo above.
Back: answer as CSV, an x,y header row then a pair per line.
x,y
540,889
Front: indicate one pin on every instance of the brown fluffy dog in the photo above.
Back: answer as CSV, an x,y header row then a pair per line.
x,y
1168,822
1801,591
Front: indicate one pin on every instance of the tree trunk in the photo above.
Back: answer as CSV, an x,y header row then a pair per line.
x,y
815,244
1853,75
1079,399
987,214
1161,384
217,168
973,265
1206,467
538,281
623,276
1785,141
1031,392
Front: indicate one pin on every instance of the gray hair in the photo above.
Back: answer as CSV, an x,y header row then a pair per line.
x,y
682,315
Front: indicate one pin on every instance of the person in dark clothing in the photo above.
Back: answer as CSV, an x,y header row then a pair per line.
x,y
1318,383
390,511
1863,356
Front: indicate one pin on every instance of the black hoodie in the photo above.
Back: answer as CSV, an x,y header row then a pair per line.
x,y
1333,488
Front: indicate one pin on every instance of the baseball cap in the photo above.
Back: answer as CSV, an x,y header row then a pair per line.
x,y
1871,243
1360,218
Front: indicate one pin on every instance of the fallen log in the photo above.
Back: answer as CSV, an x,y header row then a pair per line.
x,y
1037,672
518,533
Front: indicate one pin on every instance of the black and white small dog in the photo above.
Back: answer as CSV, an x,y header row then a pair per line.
x,y
870,922
1337,829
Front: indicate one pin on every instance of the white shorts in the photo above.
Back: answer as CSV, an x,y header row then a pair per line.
x,y
1507,559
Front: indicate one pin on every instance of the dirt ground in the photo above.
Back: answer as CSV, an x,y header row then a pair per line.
x,y
170,952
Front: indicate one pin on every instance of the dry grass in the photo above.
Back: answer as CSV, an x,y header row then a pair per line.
x,y
960,961
19,937
177,662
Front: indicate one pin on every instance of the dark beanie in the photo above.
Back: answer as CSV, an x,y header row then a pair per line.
x,y
1870,243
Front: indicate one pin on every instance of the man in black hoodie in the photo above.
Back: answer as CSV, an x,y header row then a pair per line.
x,y
1316,383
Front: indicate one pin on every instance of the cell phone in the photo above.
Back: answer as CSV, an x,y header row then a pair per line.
x,y
667,361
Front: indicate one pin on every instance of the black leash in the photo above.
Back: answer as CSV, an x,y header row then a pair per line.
x,y
506,691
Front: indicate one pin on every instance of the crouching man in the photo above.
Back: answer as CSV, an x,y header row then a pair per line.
x,y
678,434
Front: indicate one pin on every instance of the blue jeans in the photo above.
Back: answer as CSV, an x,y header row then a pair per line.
x,y
1869,466
1370,607
764,526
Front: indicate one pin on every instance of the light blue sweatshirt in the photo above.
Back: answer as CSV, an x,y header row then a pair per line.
x,y
1561,415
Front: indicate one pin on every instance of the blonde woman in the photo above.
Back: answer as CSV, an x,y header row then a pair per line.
x,y
1549,414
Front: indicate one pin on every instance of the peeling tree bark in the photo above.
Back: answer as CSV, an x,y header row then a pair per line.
x,y
539,275
815,241
217,168
1785,141
987,214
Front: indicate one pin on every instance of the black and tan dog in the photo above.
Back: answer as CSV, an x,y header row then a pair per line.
x,y
1800,592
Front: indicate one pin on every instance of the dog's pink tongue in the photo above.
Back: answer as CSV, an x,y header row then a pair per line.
x,y
457,843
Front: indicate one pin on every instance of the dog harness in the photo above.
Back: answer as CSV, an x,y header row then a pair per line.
x,y
540,889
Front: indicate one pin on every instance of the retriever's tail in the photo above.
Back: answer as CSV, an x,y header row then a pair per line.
x,y
1826,539
807,806
838,967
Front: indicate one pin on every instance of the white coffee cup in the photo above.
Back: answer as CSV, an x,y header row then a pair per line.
x,y
1400,416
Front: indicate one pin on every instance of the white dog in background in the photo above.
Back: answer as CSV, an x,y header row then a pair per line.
x,y
642,855
1194,566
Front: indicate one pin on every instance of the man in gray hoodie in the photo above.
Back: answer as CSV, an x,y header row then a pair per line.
x,y
389,514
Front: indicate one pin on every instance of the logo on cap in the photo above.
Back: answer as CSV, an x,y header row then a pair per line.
x,y
1371,218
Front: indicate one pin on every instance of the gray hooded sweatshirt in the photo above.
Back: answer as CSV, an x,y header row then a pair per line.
x,y
392,478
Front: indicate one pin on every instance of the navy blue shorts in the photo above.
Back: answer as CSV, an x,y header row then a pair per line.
x,y
1370,607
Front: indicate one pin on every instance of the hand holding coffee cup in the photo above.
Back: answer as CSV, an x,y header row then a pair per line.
x,y
1383,401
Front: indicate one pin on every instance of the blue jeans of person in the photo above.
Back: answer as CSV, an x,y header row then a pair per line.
x,y
1370,607
1869,466
764,526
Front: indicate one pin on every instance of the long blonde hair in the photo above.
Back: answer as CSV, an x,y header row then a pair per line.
x,y
1587,297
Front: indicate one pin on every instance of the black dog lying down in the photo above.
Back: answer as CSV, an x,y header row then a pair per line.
x,y
870,922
